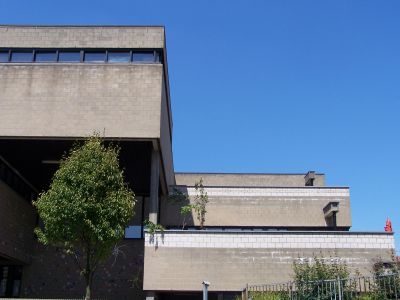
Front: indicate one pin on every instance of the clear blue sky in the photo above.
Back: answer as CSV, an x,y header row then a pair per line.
x,y
273,86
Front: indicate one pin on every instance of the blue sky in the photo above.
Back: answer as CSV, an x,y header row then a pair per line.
x,y
273,86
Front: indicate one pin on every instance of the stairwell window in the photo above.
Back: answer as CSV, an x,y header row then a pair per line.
x,y
22,56
95,57
46,56
69,56
3,56
119,57
143,57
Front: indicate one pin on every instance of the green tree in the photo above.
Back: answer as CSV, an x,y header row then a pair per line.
x,y
87,206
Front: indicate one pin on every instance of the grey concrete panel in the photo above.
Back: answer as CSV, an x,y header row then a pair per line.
x,y
81,37
227,179
166,139
76,99
273,210
231,269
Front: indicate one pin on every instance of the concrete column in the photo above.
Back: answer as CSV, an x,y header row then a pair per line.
x,y
154,186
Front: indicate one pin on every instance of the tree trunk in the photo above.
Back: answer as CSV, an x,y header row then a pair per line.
x,y
88,274
88,289
88,279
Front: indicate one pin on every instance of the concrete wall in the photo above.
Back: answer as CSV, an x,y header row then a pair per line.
x,y
74,100
243,180
81,37
53,274
166,138
18,220
182,260
277,207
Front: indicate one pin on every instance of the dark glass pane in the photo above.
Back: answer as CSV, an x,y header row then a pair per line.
x,y
46,56
95,56
143,57
69,56
158,57
3,56
116,57
133,232
21,56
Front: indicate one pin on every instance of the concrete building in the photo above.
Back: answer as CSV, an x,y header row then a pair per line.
x,y
60,84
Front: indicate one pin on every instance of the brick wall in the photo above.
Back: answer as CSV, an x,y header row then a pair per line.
x,y
53,274
18,220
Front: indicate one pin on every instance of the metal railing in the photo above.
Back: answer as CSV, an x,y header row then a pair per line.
x,y
362,288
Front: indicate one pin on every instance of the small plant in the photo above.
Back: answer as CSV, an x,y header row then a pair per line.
x,y
198,204
185,210
152,228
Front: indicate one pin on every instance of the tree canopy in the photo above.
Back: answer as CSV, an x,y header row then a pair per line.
x,y
87,206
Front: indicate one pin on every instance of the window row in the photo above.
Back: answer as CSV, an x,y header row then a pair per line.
x,y
76,56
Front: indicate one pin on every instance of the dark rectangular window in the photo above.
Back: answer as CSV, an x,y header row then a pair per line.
x,y
46,56
10,281
69,56
143,57
158,57
21,56
95,57
119,57
3,56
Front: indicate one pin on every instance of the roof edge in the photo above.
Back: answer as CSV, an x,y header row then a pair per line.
x,y
240,173
81,26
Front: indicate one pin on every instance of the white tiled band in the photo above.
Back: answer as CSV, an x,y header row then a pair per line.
x,y
289,192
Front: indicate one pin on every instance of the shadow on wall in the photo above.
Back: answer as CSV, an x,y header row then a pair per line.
x,y
172,216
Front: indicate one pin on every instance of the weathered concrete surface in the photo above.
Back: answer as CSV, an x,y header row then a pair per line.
x,y
75,100
275,207
245,180
82,36
230,268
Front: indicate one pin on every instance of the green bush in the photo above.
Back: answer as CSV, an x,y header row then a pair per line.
x,y
269,295
319,279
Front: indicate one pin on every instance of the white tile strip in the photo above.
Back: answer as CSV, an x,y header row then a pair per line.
x,y
274,241
277,192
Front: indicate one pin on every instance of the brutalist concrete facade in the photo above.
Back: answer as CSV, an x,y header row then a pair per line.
x,y
117,85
